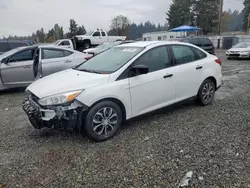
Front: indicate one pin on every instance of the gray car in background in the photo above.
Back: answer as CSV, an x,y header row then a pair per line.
x,y
7,45
21,66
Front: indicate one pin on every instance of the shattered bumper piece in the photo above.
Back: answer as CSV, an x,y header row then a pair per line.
x,y
60,116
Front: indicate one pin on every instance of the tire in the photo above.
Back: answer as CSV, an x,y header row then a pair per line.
x,y
86,44
100,128
205,95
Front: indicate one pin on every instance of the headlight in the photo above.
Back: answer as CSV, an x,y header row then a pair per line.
x,y
244,52
79,38
59,98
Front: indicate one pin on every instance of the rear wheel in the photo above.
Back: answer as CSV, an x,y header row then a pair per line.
x,y
103,121
206,92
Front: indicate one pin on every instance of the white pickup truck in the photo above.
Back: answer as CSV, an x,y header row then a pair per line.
x,y
96,38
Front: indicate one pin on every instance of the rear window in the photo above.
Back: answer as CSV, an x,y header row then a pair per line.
x,y
17,44
103,33
205,42
200,54
4,47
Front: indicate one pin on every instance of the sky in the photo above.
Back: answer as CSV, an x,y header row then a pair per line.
x,y
22,17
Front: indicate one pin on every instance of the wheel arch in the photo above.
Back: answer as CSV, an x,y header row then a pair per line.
x,y
213,79
87,40
115,100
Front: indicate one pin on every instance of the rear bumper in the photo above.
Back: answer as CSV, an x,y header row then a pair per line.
x,y
68,117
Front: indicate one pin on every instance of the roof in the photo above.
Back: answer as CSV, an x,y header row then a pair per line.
x,y
139,44
148,43
158,32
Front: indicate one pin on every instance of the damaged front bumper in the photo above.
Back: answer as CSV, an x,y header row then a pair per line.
x,y
61,116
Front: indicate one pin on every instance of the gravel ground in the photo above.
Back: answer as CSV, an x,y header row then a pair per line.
x,y
156,150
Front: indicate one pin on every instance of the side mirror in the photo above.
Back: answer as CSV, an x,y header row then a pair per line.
x,y
4,60
138,70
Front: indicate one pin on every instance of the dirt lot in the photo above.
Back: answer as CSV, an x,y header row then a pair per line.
x,y
156,150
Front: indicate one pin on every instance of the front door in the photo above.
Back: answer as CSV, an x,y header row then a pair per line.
x,y
157,88
18,69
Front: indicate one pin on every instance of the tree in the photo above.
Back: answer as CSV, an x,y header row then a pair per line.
x,y
207,15
51,36
246,12
58,31
81,30
40,35
225,21
120,25
180,13
73,28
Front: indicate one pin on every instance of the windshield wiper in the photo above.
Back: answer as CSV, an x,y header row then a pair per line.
x,y
91,71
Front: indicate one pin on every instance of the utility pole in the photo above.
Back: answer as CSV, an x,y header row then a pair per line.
x,y
219,25
220,16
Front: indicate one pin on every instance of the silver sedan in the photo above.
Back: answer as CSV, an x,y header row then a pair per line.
x,y
19,67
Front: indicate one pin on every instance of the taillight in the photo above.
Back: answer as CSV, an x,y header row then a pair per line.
x,y
218,61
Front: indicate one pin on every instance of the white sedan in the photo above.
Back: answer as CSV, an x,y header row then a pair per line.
x,y
121,83
240,51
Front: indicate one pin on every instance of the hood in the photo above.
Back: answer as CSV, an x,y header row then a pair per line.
x,y
64,81
239,49
82,37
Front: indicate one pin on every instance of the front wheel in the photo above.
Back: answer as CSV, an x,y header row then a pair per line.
x,y
86,45
103,121
206,92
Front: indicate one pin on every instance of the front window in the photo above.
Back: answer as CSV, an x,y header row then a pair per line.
x,y
155,59
110,61
26,55
97,34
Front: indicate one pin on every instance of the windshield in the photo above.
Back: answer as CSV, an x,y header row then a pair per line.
x,y
89,33
57,42
110,61
103,46
242,45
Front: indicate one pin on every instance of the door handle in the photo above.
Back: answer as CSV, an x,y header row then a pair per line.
x,y
67,61
27,66
199,67
168,76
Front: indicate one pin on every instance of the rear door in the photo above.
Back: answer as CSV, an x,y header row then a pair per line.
x,y
97,38
18,70
189,71
54,60
104,37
